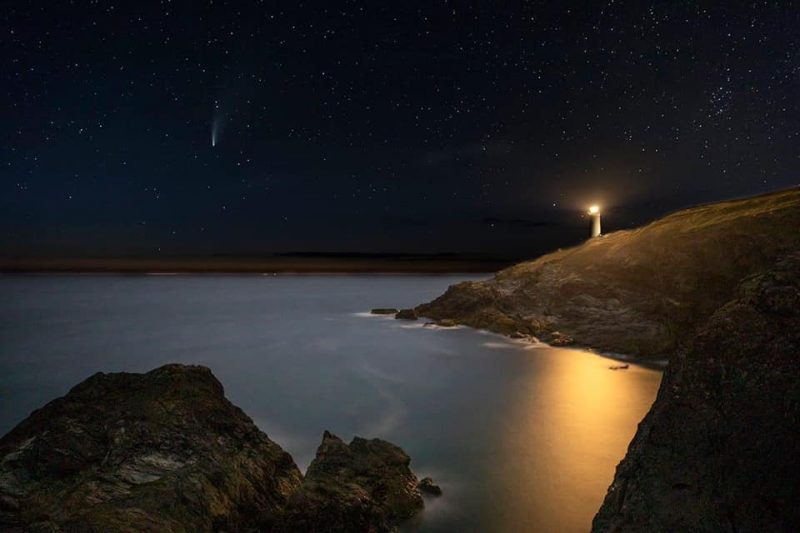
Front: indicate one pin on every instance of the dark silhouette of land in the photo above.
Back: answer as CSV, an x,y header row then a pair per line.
x,y
290,262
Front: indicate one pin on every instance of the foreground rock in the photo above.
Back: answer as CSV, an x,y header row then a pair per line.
x,y
364,486
720,449
165,451
638,292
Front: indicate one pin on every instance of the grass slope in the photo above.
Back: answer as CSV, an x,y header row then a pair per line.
x,y
639,292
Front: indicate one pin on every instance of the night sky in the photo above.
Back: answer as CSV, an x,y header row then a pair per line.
x,y
174,128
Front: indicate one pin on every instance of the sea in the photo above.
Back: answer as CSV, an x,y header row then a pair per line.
x,y
520,436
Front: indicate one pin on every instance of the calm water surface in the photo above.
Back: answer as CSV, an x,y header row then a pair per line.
x,y
520,438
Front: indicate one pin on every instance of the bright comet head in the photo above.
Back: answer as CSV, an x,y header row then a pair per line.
x,y
594,210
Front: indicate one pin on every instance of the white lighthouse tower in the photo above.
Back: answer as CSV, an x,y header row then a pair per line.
x,y
594,212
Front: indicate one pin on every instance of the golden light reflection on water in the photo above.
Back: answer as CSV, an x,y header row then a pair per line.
x,y
562,438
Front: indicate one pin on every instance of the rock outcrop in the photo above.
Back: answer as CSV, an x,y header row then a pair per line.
x,y
166,451
162,451
406,314
720,449
638,292
428,486
366,485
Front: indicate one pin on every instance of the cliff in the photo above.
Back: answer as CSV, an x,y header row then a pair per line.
x,y
716,288
640,292
720,449
166,451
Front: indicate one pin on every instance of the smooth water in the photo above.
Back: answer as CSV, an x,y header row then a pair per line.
x,y
520,438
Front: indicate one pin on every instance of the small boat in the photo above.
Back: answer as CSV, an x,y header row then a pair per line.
x,y
618,367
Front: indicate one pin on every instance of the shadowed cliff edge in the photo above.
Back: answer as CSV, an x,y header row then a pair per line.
x,y
640,292
166,451
718,451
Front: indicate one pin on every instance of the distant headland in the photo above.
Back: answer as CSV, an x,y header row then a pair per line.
x,y
303,262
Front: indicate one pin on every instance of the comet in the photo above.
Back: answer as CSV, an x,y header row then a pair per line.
x,y
214,132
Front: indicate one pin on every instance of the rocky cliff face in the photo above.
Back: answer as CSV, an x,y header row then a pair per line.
x,y
639,292
165,451
720,449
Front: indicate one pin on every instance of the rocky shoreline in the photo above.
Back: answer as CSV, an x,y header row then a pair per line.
x,y
557,340
166,451
716,290
641,292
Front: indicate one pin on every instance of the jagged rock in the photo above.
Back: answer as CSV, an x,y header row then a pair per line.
x,y
720,449
406,314
162,451
640,292
427,486
384,311
165,451
364,486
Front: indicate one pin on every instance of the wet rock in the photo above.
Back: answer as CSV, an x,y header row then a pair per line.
x,y
406,314
384,311
366,485
427,486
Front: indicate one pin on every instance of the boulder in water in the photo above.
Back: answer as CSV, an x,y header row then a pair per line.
x,y
428,486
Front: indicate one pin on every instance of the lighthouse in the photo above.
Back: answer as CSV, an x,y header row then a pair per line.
x,y
594,212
